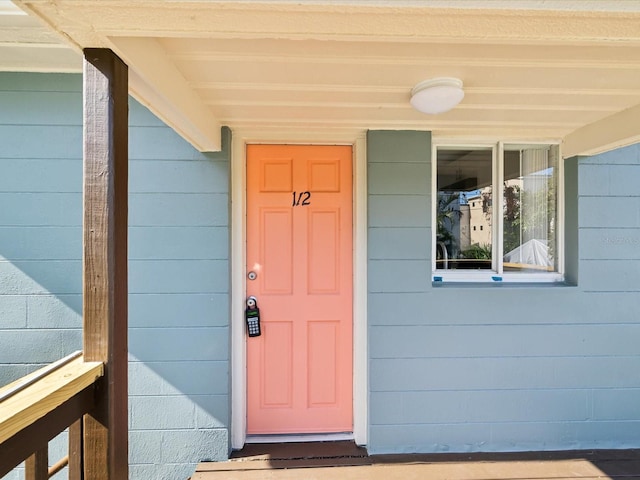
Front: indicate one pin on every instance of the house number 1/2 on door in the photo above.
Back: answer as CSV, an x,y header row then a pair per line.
x,y
301,198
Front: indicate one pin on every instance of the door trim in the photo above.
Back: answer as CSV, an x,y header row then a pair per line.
x,y
238,280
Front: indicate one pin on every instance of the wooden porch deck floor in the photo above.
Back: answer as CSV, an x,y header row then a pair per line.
x,y
345,461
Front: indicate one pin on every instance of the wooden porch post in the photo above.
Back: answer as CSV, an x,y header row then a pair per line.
x,y
105,259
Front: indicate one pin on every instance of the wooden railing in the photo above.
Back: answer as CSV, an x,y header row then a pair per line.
x,y
38,407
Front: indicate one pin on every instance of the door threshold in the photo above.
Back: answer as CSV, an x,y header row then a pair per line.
x,y
300,437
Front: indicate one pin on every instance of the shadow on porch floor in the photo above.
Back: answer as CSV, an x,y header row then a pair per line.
x,y
345,461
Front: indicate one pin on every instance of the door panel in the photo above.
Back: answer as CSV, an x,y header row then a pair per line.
x,y
276,250
323,254
299,243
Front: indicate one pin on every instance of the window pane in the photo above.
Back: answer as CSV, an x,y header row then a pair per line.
x,y
463,211
530,206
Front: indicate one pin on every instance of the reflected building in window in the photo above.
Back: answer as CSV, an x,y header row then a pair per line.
x,y
518,223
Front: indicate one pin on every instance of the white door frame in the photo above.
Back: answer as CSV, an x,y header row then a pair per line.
x,y
238,270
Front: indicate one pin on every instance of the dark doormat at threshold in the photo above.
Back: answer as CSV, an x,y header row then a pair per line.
x,y
263,456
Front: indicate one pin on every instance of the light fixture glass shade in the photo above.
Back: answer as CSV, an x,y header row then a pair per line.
x,y
437,95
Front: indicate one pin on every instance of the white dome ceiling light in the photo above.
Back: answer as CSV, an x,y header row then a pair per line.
x,y
437,95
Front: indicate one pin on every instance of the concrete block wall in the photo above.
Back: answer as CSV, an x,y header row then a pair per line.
x,y
40,222
178,269
501,367
178,301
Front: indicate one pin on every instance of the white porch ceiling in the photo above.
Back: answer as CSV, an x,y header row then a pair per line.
x,y
532,70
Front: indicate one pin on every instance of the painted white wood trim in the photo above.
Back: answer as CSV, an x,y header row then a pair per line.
x,y
311,437
9,8
360,324
238,288
615,131
238,269
490,276
434,203
83,20
498,218
157,84
560,205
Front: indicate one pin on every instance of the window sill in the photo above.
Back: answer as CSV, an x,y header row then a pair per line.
x,y
489,278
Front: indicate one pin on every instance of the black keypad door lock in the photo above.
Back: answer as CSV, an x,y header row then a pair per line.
x,y
252,315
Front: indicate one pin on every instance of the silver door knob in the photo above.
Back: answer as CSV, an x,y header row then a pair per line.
x,y
252,302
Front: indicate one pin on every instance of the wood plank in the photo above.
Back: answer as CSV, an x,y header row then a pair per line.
x,y
339,460
76,460
615,131
36,466
105,258
29,405
168,95
531,465
21,445
29,379
240,466
58,466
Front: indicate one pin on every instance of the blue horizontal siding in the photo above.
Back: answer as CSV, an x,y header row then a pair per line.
x,y
535,306
503,437
622,156
609,212
53,142
610,180
162,143
502,367
384,178
178,176
461,406
40,243
45,209
610,275
610,244
178,209
178,243
399,211
504,340
617,404
178,276
30,83
39,108
399,244
398,147
17,175
398,275
510,373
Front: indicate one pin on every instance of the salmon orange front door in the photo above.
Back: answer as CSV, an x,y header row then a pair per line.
x,y
299,248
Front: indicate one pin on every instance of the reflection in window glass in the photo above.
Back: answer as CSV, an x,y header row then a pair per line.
x,y
529,208
464,208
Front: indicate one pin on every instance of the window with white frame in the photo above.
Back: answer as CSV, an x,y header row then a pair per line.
x,y
497,213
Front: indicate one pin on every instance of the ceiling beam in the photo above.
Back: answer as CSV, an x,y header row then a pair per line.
x,y
158,84
618,130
